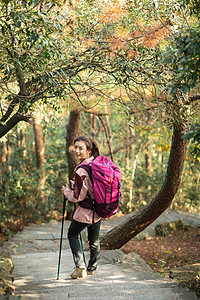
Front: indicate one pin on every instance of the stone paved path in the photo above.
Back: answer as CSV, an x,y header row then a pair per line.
x,y
35,255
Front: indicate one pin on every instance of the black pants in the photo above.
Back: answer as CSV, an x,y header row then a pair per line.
x,y
75,244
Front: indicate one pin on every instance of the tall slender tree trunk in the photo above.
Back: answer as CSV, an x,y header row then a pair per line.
x,y
39,148
73,130
148,164
148,158
5,155
132,136
131,183
92,126
148,154
128,148
21,141
139,220
107,138
109,131
8,154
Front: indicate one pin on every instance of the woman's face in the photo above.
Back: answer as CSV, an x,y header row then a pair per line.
x,y
80,150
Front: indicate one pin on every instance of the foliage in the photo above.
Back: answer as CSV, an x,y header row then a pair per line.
x,y
20,195
50,51
38,58
144,185
183,56
192,5
30,44
182,52
194,135
140,56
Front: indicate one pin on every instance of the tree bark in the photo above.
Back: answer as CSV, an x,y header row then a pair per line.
x,y
107,138
73,130
107,120
39,148
148,165
21,143
12,122
93,126
132,136
139,220
128,148
5,155
8,153
148,158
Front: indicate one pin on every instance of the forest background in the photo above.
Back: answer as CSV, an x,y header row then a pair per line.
x,y
122,72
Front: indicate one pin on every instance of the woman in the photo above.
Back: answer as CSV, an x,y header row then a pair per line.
x,y
85,151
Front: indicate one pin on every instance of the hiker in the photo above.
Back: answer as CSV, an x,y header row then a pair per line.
x,y
86,151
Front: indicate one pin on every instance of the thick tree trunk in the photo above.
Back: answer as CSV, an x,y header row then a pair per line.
x,y
139,220
73,130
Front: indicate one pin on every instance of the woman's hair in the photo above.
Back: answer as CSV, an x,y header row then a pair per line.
x,y
91,145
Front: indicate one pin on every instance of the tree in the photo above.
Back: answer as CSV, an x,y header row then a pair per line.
x,y
180,117
73,130
40,58
111,49
27,45
40,149
5,155
194,136
138,221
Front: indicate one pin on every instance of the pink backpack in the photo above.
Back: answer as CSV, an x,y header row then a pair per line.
x,y
106,183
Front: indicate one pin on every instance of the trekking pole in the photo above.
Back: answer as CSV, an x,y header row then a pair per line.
x,y
82,249
63,216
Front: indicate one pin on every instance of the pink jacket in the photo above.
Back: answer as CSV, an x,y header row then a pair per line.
x,y
82,185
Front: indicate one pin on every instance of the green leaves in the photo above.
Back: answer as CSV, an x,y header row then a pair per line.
x,y
194,136
183,58
194,133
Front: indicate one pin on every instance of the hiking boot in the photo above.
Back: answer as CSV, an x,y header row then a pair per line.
x,y
91,270
79,273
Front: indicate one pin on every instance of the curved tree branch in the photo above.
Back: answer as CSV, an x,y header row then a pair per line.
x,y
9,110
16,118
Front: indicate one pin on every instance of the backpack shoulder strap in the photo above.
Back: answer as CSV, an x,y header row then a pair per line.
x,y
88,169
